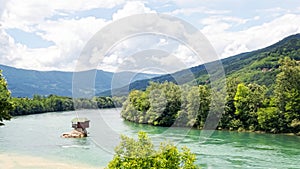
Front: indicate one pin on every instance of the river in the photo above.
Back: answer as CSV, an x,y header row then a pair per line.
x,y
39,135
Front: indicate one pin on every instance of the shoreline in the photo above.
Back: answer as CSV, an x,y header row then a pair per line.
x,y
12,160
218,129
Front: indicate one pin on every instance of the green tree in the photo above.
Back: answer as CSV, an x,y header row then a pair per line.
x,y
198,105
158,102
140,153
182,117
229,113
287,93
172,93
135,107
6,104
269,119
247,101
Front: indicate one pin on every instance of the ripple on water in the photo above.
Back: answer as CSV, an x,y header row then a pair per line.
x,y
75,146
226,150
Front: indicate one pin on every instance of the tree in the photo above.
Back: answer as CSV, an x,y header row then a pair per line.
x,y
229,113
172,94
268,119
157,105
140,153
182,117
135,107
164,102
287,92
248,100
6,104
203,105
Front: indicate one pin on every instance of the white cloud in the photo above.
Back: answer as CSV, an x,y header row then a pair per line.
x,y
234,48
216,20
111,60
25,14
149,52
6,43
193,10
228,43
70,35
18,55
131,8
187,3
185,55
162,42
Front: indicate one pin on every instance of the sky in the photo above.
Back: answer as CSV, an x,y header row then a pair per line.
x,y
40,35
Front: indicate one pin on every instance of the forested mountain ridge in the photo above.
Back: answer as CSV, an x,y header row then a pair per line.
x,y
26,83
259,66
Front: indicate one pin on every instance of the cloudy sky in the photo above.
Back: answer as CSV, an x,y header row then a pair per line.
x,y
40,35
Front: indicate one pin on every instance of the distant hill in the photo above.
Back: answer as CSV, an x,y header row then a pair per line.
x,y
259,66
26,83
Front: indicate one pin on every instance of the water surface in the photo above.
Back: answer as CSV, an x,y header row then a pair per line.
x,y
39,135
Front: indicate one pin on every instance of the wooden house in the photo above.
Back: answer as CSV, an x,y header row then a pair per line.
x,y
80,123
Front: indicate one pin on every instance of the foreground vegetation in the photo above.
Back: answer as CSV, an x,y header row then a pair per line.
x,y
140,153
248,106
6,104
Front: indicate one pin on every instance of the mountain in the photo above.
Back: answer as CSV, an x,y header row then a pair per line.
x,y
26,83
259,66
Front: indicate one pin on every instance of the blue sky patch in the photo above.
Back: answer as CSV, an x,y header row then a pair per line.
x,y
29,39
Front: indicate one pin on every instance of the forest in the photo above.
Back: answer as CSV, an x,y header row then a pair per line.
x,y
53,103
248,106
12,106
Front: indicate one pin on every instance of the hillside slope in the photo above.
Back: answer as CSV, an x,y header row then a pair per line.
x,y
26,83
259,66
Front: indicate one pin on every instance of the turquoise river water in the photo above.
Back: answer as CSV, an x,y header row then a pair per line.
x,y
39,135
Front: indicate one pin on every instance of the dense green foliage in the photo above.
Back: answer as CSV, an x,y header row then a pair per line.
x,y
168,104
140,153
248,106
287,93
6,104
53,103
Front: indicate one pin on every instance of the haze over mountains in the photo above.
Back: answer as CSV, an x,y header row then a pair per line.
x,y
258,66
26,83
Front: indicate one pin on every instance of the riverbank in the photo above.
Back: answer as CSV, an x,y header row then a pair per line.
x,y
257,132
11,161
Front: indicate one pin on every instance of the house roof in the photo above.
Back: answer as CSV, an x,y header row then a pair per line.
x,y
79,119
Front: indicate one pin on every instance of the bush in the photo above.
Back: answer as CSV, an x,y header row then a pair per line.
x,y
140,153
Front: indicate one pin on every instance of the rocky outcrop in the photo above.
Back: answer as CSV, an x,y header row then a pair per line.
x,y
74,134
